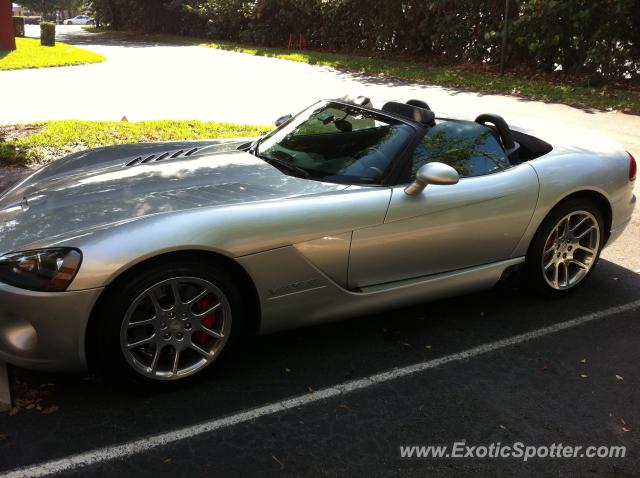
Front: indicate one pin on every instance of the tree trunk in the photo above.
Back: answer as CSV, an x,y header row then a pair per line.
x,y
115,19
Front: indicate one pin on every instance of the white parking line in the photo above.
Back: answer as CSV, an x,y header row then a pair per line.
x,y
128,449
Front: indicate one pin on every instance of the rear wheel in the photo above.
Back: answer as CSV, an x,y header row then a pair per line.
x,y
566,248
170,323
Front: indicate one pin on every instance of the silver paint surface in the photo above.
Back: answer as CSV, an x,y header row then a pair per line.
x,y
315,251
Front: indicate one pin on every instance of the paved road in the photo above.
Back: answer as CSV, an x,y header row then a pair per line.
x,y
560,387
144,80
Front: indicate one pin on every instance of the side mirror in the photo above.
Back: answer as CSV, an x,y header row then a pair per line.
x,y
283,119
432,173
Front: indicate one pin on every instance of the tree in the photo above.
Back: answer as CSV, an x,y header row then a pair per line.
x,y
47,7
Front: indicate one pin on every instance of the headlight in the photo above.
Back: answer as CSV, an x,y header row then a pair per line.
x,y
45,270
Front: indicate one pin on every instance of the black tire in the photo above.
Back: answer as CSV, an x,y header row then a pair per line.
x,y
533,270
104,351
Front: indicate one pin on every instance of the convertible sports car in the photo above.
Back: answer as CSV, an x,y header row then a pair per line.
x,y
148,260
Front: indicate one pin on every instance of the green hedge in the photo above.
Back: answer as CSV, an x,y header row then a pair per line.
x,y
18,26
583,36
48,34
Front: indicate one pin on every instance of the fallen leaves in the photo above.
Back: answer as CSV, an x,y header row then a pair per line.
x,y
584,375
49,409
619,377
28,397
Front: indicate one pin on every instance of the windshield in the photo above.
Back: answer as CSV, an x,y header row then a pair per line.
x,y
337,143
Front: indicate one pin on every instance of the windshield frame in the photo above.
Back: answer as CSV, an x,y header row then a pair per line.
x,y
394,171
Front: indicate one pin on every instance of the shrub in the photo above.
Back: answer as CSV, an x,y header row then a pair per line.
x,y
18,26
48,34
582,36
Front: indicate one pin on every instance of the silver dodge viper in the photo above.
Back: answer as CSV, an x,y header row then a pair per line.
x,y
149,260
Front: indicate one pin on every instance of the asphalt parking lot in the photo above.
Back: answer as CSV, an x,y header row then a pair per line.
x,y
579,386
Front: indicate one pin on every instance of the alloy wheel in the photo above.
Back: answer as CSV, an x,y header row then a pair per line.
x,y
175,328
571,250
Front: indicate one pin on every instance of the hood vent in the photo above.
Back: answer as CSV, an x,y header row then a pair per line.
x,y
152,158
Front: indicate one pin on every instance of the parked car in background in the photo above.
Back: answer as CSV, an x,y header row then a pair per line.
x,y
32,20
80,20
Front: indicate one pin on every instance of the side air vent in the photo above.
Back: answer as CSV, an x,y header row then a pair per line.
x,y
153,158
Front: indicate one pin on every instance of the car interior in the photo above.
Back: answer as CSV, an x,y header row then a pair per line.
x,y
517,146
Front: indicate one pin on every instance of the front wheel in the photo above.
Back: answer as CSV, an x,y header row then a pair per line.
x,y
566,248
168,324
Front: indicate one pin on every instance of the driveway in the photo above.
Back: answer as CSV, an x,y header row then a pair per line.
x,y
148,80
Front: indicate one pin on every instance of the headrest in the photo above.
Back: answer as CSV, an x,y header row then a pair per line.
x,y
419,104
414,113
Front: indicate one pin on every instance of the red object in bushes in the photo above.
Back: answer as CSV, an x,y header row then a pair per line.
x,y
303,42
7,35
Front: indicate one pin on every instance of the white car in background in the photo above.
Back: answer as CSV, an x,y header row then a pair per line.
x,y
80,20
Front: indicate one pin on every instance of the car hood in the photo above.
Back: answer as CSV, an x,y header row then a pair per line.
x,y
112,185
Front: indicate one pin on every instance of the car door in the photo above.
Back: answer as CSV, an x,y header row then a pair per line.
x,y
445,228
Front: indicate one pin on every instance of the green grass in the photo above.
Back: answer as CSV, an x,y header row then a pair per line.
x,y
536,89
39,143
30,54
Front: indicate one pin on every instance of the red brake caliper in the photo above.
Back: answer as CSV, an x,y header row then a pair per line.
x,y
209,321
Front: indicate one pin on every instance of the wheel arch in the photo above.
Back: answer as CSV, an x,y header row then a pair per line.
x,y
240,275
599,199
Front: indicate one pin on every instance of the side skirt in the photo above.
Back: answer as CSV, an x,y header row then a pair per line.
x,y
294,293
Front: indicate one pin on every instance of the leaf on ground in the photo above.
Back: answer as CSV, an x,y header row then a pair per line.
x,y
287,370
50,409
583,360
619,377
167,460
625,429
278,461
584,375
